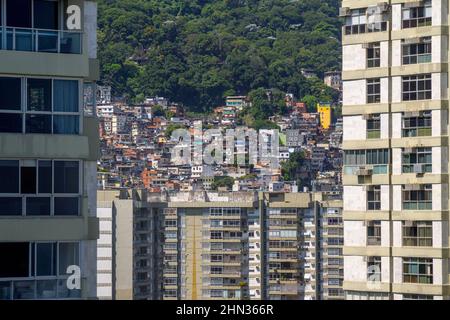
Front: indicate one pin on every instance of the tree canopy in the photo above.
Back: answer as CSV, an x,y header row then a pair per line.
x,y
196,52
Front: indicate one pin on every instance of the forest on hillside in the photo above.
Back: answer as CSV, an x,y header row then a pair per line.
x,y
196,52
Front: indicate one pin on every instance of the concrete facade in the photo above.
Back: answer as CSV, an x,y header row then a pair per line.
x,y
395,172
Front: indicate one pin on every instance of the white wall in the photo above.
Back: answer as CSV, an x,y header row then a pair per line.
x,y
397,197
396,160
436,158
398,270
355,198
396,53
396,16
385,234
355,128
354,234
384,126
384,90
397,240
358,267
354,92
396,89
354,57
396,125
385,194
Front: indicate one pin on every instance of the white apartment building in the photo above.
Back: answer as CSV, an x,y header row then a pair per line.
x,y
395,108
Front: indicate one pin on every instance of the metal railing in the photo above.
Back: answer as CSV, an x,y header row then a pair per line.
x,y
41,40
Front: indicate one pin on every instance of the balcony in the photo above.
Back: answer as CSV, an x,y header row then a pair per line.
x,y
41,40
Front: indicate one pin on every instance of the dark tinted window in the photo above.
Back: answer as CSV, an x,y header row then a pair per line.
x,y
66,177
28,179
10,206
15,260
46,14
45,177
10,94
9,176
10,123
38,123
39,95
66,206
39,206
45,259
18,13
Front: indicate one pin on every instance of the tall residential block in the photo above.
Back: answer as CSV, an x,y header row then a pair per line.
x,y
396,182
127,251
213,245
48,150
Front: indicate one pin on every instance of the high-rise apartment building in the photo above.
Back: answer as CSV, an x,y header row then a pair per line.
x,y
212,245
395,107
48,149
127,251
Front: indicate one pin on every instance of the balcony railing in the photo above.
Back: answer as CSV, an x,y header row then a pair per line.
x,y
41,40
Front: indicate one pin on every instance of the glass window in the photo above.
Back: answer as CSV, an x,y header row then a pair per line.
x,y
416,87
45,14
10,206
66,124
10,94
44,177
18,13
65,206
45,259
64,292
416,124
28,177
374,233
417,270
38,206
66,177
38,123
374,269
24,290
9,173
46,289
373,55
17,264
373,91
68,256
417,16
11,123
39,95
417,233
65,96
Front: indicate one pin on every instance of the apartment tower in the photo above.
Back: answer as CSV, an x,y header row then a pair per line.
x,y
219,245
395,108
48,149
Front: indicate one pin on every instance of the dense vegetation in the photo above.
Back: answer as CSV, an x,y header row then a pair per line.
x,y
197,51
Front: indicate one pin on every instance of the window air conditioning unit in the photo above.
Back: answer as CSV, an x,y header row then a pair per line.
x,y
364,172
412,41
367,116
409,150
414,4
412,187
419,168
344,12
367,45
408,223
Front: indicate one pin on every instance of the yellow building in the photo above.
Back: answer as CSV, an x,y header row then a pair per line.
x,y
325,115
